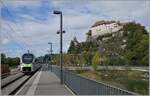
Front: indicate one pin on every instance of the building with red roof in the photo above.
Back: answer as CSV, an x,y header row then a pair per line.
x,y
103,27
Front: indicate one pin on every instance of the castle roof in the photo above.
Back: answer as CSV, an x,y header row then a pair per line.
x,y
101,22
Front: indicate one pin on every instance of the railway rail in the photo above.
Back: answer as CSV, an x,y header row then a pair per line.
x,y
10,85
8,74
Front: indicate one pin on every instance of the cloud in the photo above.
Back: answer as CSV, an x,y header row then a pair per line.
x,y
5,41
35,25
16,3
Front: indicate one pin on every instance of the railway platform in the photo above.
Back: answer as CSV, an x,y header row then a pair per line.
x,y
44,82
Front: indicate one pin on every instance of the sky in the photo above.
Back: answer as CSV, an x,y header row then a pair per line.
x,y
31,24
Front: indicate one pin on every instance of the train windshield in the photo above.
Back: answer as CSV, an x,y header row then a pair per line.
x,y
27,58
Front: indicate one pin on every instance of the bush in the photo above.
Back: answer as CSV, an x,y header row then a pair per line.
x,y
96,61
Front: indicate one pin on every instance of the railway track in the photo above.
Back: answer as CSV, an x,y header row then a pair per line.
x,y
9,86
3,76
12,72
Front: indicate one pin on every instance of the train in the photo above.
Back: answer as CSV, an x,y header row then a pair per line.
x,y
28,64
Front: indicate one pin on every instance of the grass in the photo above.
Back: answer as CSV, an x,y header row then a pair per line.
x,y
128,80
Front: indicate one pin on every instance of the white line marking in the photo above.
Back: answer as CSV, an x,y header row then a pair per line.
x,y
69,89
32,89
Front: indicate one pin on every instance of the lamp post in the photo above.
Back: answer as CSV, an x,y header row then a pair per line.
x,y
50,43
60,32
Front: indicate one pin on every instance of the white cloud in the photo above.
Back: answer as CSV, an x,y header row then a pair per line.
x,y
16,3
78,18
5,41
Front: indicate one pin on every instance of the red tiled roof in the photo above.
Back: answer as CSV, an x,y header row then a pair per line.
x,y
102,22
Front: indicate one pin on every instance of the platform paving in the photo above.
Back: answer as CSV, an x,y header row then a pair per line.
x,y
45,83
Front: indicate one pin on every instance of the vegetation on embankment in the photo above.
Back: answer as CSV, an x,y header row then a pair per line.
x,y
133,81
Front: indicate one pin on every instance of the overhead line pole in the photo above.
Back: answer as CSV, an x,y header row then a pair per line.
x,y
50,53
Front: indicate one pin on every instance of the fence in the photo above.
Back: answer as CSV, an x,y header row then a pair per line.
x,y
83,86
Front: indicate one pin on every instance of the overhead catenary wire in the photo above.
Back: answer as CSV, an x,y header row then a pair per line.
x,y
24,38
10,15
12,37
12,30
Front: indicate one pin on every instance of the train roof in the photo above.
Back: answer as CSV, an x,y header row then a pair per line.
x,y
27,54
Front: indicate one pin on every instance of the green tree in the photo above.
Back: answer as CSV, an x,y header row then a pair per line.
x,y
96,61
81,60
13,62
72,47
106,60
3,58
75,47
137,48
85,56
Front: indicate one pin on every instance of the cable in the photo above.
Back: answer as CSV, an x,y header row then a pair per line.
x,y
12,28
9,13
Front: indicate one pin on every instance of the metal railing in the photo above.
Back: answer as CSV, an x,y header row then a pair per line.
x,y
83,86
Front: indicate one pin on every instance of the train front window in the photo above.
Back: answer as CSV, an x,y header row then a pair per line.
x,y
27,58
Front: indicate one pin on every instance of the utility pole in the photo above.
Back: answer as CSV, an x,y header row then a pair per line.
x,y
50,43
50,53
61,43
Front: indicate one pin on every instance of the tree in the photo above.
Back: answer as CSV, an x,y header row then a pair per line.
x,y
106,60
81,60
137,48
85,56
96,61
75,47
13,61
3,58
72,47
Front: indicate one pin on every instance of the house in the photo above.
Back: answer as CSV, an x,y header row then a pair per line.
x,y
103,27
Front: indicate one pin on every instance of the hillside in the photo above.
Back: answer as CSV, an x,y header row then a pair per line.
x,y
128,46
